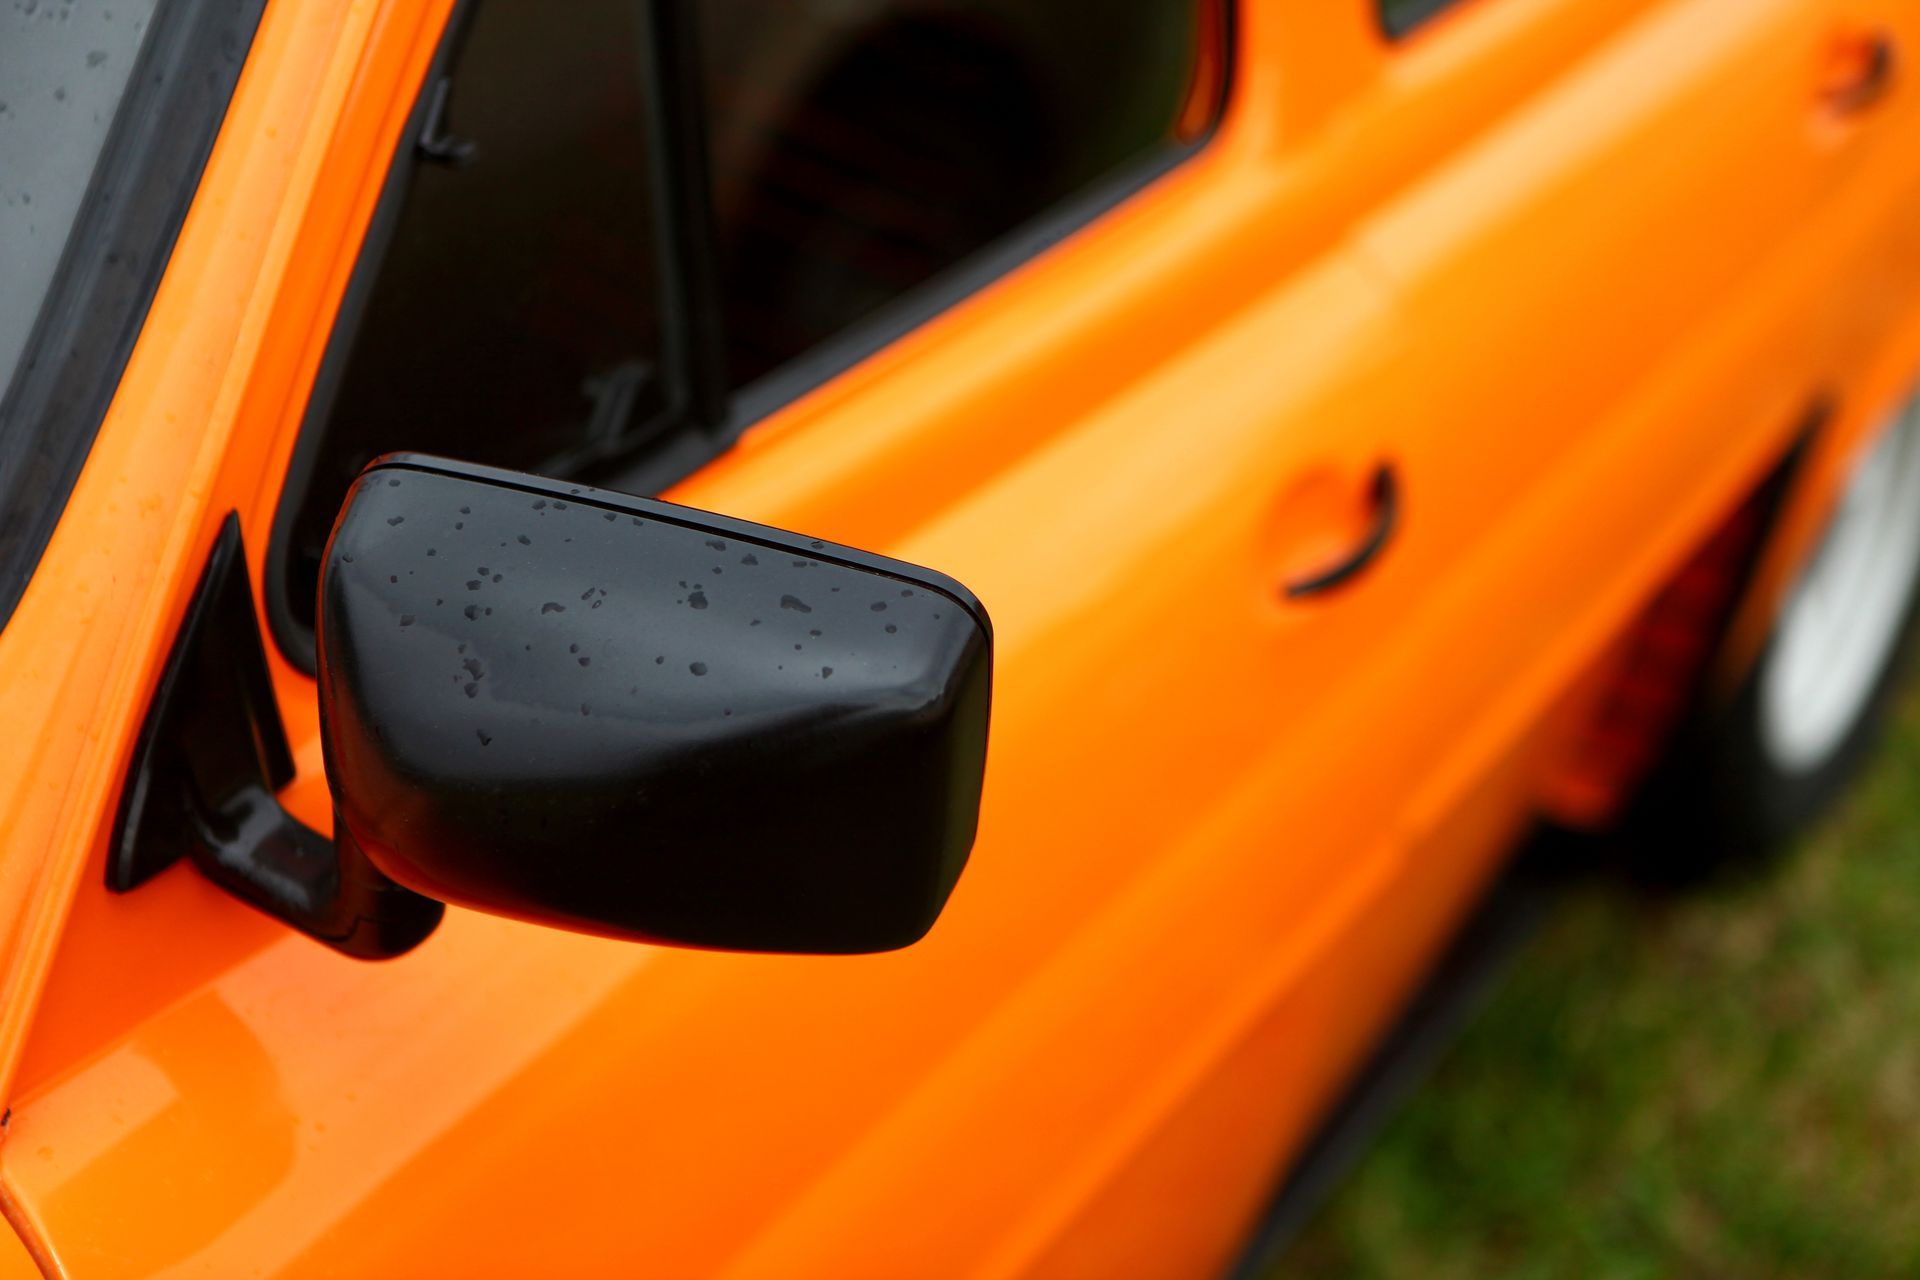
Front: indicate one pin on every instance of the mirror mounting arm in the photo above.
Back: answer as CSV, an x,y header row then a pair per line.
x,y
210,759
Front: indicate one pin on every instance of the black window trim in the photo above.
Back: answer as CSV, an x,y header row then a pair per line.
x,y
117,250
711,418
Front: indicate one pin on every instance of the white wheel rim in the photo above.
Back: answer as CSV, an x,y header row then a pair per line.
x,y
1843,616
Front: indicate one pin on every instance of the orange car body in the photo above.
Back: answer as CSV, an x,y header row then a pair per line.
x,y
1577,270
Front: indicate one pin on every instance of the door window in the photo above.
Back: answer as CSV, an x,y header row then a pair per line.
x,y
608,222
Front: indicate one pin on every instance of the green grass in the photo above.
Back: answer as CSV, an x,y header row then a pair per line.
x,y
1726,1084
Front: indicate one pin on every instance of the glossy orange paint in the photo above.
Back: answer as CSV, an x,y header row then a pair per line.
x,y
1576,270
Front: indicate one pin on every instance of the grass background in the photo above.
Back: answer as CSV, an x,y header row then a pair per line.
x,y
1722,1084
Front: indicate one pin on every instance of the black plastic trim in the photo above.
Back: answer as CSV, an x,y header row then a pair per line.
x,y
210,756
754,761
117,250
692,328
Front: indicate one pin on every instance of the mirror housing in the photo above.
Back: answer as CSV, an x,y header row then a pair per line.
x,y
621,716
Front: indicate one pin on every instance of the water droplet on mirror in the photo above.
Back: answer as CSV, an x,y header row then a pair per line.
x,y
551,607
698,668
796,604
698,600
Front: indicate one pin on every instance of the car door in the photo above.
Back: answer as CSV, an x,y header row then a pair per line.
x,y
1610,245
1226,818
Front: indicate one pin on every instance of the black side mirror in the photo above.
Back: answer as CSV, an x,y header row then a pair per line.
x,y
579,708
626,717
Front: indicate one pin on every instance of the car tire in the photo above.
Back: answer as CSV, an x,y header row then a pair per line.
x,y
1745,777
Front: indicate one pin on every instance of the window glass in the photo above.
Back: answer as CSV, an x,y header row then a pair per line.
x,y
63,69
1402,16
614,212
513,319
859,147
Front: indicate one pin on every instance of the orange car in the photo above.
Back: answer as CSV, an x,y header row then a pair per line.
x,y
1374,428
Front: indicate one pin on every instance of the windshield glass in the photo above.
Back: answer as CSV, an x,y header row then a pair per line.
x,y
63,70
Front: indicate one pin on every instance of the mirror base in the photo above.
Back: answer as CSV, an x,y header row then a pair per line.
x,y
209,760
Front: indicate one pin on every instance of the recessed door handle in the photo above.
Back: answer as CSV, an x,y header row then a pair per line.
x,y
1384,496
1867,76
